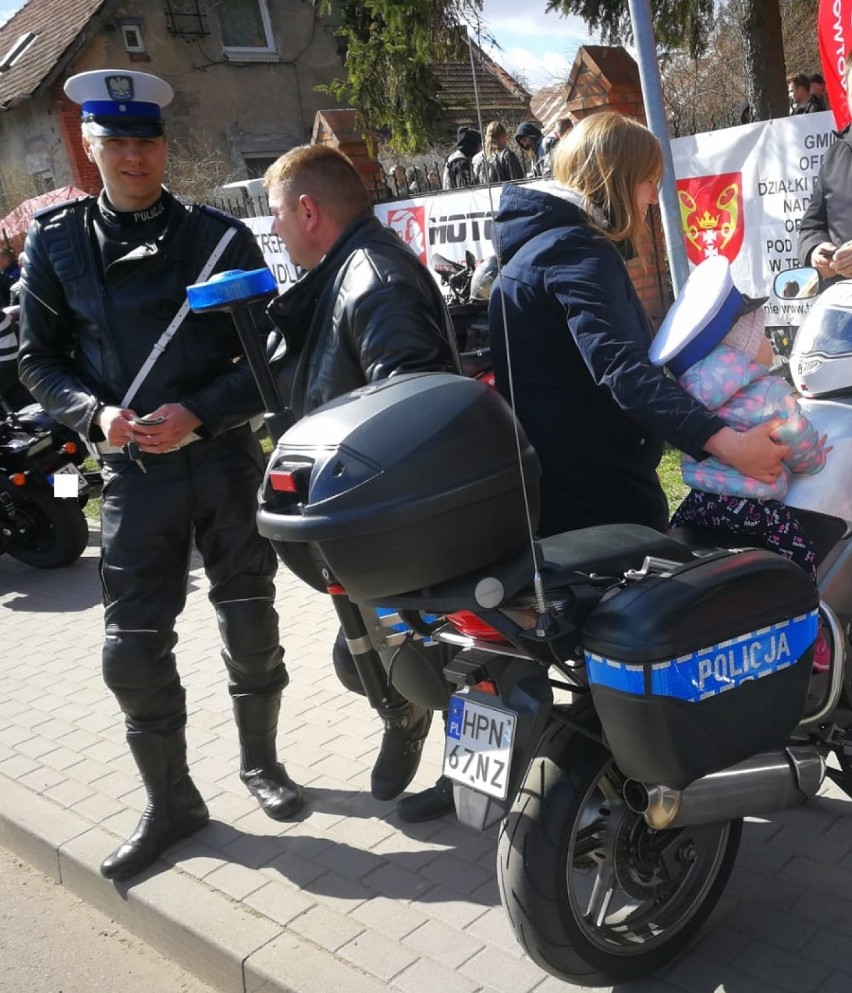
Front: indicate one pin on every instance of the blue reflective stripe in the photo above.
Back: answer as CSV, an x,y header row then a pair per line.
x,y
715,669
401,626
616,675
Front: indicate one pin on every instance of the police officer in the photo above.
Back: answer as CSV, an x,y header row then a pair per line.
x,y
109,348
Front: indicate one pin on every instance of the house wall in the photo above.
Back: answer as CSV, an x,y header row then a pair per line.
x,y
243,107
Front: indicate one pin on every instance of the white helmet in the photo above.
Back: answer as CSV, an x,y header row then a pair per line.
x,y
821,356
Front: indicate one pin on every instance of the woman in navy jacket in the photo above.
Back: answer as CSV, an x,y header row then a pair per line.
x,y
596,410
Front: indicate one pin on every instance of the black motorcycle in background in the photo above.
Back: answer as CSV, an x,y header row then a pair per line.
x,y
466,287
37,527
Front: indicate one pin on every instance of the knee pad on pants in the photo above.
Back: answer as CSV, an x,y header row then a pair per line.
x,y
139,667
252,652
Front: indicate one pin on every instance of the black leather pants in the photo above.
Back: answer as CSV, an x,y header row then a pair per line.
x,y
203,495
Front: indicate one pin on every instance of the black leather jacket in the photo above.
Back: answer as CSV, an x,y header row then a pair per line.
x,y
367,311
828,216
85,333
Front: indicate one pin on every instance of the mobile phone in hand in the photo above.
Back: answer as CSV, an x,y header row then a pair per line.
x,y
828,253
149,421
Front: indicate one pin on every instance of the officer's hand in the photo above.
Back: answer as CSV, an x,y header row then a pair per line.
x,y
842,261
822,257
751,452
116,424
175,423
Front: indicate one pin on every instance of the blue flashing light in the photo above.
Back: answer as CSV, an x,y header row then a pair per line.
x,y
229,289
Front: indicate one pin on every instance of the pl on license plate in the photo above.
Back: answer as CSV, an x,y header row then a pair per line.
x,y
478,750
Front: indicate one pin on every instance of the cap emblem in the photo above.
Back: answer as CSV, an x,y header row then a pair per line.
x,y
120,88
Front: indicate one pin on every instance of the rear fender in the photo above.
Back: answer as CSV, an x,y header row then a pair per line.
x,y
523,687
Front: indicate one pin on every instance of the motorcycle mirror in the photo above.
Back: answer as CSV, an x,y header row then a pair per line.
x,y
797,284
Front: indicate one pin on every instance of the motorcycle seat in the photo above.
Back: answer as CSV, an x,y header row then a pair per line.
x,y
563,559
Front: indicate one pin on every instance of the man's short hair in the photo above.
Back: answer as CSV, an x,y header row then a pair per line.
x,y
326,175
800,79
7,253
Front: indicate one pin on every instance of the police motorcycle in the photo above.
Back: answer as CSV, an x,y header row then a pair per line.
x,y
622,700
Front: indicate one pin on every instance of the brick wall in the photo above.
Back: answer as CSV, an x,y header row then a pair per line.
x,y
339,129
84,174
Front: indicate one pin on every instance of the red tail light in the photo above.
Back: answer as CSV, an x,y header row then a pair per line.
x,y
472,626
283,481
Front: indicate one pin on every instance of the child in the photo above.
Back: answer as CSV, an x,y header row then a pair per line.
x,y
726,368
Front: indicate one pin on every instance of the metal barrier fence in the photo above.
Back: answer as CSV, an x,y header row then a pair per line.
x,y
398,183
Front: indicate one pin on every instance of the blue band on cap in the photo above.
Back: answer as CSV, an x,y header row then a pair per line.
x,y
711,334
92,109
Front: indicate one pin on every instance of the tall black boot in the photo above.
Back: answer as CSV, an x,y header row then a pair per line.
x,y
174,810
430,803
406,728
256,715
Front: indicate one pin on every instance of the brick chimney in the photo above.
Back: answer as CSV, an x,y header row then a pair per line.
x,y
339,128
84,174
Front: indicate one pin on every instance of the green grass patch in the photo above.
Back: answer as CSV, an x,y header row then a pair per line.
x,y
671,479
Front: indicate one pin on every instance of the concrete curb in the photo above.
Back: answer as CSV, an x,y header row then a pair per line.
x,y
223,942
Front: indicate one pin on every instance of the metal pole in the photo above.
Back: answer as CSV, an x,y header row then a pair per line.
x,y
652,94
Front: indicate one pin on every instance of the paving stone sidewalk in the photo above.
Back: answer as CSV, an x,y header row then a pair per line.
x,y
346,898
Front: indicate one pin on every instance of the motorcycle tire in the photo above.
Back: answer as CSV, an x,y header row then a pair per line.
x,y
50,532
594,895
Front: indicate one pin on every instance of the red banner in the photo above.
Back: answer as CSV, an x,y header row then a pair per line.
x,y
835,40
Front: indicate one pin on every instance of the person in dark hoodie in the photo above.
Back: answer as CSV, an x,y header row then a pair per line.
x,y
528,136
593,405
825,234
458,169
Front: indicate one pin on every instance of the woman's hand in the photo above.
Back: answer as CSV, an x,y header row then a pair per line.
x,y
752,452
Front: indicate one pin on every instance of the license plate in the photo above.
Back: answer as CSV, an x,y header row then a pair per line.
x,y
71,470
478,750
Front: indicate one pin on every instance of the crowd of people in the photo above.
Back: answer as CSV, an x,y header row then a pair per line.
x,y
166,396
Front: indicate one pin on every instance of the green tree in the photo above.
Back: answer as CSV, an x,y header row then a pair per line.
x,y
390,47
689,25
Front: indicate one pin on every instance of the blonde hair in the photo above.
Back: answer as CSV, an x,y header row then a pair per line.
x,y
605,157
493,131
323,173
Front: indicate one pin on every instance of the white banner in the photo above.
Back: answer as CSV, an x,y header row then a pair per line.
x,y
741,192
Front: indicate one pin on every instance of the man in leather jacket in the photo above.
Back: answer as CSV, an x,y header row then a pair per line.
x,y
366,309
825,232
105,278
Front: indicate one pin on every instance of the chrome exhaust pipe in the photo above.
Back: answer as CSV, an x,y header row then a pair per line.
x,y
762,784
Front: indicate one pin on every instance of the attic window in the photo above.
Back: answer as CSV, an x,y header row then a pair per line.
x,y
131,35
16,51
246,28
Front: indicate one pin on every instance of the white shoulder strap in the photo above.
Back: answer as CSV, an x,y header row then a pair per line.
x,y
176,321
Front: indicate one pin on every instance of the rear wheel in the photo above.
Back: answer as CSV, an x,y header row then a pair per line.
x,y
48,531
595,896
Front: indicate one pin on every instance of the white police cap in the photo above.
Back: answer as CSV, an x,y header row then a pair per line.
x,y
704,312
120,102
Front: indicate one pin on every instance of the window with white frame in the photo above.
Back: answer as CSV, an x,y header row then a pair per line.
x,y
131,36
246,28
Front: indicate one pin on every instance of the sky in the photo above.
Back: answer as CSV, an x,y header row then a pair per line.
x,y
537,47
